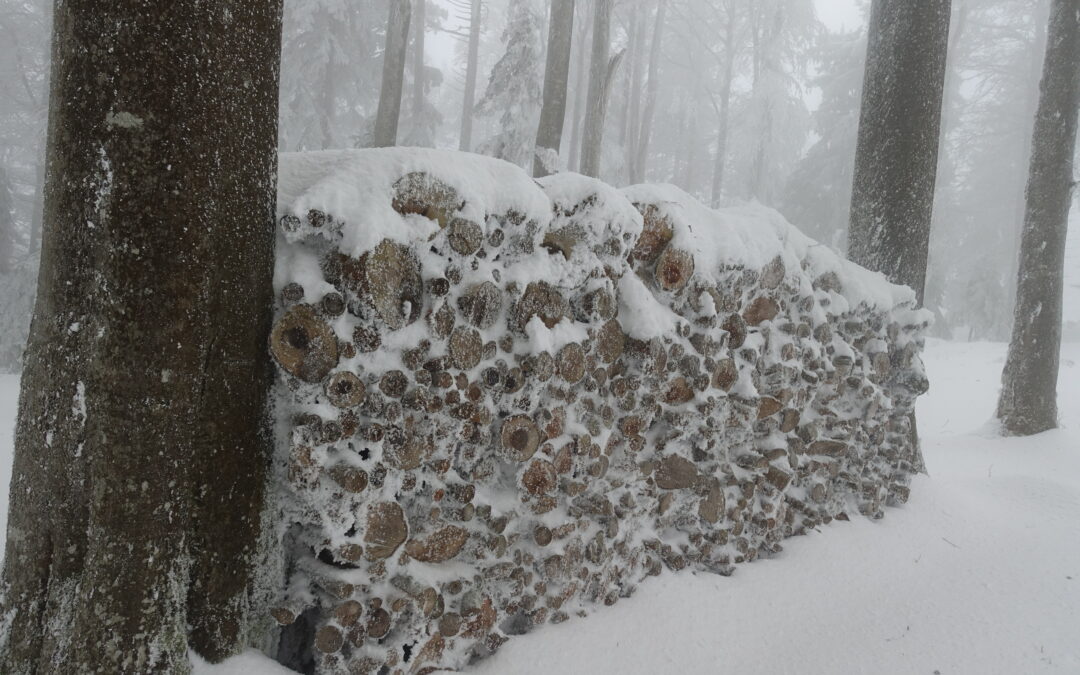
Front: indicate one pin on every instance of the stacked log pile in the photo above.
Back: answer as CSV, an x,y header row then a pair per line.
x,y
517,415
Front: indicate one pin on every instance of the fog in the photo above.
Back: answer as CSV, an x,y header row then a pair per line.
x,y
743,101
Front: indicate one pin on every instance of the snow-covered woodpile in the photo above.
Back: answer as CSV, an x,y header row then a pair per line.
x,y
504,402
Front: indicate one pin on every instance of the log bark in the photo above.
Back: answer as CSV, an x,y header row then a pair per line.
x,y
1028,402
471,69
141,445
393,74
556,80
896,157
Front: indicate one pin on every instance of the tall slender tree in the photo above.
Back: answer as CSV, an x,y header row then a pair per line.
x,y
599,68
1028,401
652,93
141,447
896,156
556,79
471,69
393,74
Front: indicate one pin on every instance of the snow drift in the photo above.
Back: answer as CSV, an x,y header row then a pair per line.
x,y
503,402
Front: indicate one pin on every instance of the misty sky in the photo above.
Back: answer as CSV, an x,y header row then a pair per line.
x,y
837,14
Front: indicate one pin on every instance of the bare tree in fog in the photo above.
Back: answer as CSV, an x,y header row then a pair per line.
x,y
393,74
1028,402
556,79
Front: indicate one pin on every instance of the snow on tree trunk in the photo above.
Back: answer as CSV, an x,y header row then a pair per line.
x,y
896,158
1028,402
556,79
393,74
141,448
469,100
592,143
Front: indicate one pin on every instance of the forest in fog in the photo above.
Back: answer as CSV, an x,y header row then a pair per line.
x,y
731,100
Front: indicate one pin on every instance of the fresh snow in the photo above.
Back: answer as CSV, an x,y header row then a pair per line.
x,y
979,573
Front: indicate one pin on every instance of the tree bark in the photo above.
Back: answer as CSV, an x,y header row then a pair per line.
x,y
724,114
651,94
556,80
896,156
393,74
419,24
142,445
1028,401
7,225
637,72
592,143
469,101
580,92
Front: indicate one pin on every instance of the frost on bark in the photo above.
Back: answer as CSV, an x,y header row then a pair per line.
x,y
471,69
1028,402
896,157
141,446
393,74
556,79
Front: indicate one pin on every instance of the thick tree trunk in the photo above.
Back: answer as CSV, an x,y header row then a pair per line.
x,y
652,92
556,79
142,447
1028,402
393,74
469,101
592,143
1038,54
896,158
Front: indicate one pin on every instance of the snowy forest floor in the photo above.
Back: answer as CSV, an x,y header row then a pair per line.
x,y
979,573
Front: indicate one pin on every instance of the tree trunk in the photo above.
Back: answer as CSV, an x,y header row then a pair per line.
x,y
637,73
724,115
1038,53
556,79
7,225
896,158
592,143
142,445
1028,402
419,24
580,93
652,92
469,101
329,103
393,74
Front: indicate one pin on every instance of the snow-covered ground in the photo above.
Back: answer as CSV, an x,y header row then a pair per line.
x,y
979,573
